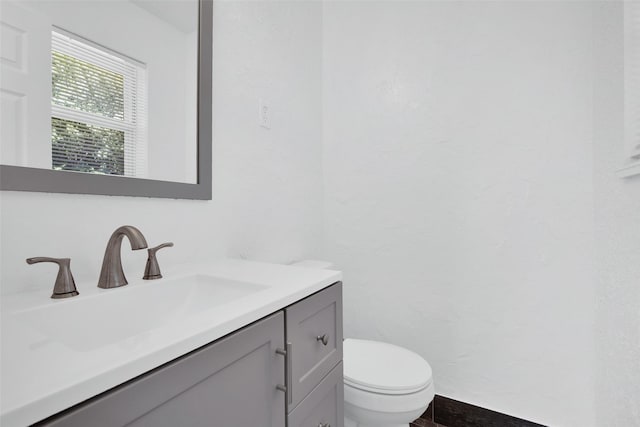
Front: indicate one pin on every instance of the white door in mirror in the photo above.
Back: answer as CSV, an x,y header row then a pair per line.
x,y
25,87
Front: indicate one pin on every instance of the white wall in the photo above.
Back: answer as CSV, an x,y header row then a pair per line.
x,y
267,184
458,171
617,214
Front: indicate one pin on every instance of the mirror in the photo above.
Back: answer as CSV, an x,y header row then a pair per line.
x,y
106,97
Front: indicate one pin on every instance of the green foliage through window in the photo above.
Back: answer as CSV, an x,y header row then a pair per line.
x,y
87,87
85,148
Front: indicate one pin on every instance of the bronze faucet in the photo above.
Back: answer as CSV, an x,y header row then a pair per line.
x,y
112,275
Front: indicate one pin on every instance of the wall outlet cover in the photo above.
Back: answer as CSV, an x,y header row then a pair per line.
x,y
264,114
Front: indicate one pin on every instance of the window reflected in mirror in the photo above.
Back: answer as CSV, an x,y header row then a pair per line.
x,y
98,109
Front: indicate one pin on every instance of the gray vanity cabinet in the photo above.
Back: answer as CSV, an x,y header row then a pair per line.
x,y
238,380
230,383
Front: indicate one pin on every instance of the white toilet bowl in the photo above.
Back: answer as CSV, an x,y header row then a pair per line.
x,y
384,385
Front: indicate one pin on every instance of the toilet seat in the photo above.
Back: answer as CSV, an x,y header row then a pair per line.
x,y
384,368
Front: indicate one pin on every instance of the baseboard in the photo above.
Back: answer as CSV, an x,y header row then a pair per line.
x,y
448,412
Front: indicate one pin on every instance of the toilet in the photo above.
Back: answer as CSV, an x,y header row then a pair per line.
x,y
384,385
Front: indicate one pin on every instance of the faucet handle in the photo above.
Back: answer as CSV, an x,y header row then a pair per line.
x,y
65,286
152,269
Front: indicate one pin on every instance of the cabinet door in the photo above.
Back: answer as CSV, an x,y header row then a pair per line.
x,y
324,405
314,331
230,383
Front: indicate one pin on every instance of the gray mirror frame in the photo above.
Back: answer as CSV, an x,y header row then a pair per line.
x,y
18,178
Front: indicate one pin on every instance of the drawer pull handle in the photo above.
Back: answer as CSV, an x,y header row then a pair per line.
x,y
324,339
288,357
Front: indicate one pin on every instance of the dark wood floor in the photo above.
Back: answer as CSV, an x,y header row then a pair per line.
x,y
426,419
421,422
447,412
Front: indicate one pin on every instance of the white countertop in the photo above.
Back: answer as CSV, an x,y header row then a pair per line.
x,y
41,377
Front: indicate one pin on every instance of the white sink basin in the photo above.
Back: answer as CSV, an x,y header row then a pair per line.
x,y
128,313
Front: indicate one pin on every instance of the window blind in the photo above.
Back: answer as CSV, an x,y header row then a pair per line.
x,y
99,109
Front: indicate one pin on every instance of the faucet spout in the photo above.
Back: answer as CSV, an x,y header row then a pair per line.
x,y
112,275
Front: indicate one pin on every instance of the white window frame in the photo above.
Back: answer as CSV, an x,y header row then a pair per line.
x,y
134,125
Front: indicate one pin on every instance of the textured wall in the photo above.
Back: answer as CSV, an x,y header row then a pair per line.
x,y
267,184
459,193
273,178
617,214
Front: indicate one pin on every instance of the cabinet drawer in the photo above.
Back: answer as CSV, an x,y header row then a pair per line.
x,y
314,330
324,405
